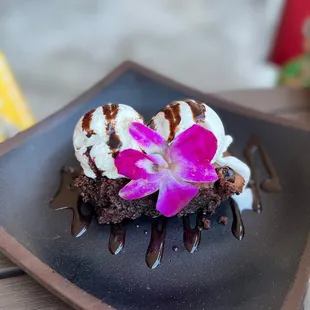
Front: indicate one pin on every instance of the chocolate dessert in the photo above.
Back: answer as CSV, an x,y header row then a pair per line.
x,y
176,165
102,193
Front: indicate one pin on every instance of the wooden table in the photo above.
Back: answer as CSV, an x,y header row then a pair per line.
x,y
19,291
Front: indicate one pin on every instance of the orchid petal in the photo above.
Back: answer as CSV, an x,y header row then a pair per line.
x,y
191,153
138,188
134,164
148,139
194,146
198,174
174,195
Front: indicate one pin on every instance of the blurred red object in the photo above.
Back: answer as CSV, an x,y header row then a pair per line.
x,y
289,39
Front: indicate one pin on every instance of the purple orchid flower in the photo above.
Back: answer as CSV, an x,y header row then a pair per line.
x,y
167,168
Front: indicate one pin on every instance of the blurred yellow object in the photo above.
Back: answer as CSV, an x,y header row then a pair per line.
x,y
14,112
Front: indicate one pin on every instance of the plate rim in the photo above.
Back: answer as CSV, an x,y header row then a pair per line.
x,y
49,278
66,290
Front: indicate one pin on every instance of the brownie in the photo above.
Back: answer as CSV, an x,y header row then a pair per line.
x,y
102,194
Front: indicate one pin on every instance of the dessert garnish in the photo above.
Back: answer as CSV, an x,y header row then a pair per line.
x,y
167,168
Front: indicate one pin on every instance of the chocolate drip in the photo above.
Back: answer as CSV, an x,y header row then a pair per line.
x,y
237,227
67,197
172,114
86,123
198,110
192,236
117,238
92,163
257,204
110,111
114,143
156,246
272,184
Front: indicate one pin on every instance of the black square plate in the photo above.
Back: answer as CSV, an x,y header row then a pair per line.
x,y
268,269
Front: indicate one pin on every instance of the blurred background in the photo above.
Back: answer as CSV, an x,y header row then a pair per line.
x,y
58,49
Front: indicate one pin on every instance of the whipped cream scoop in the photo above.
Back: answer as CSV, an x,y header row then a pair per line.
x,y
100,135
181,115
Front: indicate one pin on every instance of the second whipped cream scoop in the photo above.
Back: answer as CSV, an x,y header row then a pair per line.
x,y
100,135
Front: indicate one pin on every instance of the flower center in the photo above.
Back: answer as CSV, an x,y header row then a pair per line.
x,y
169,166
172,167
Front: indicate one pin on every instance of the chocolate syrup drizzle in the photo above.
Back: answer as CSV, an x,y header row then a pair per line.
x,y
198,110
192,236
86,123
92,164
110,112
114,143
271,184
67,197
156,246
172,114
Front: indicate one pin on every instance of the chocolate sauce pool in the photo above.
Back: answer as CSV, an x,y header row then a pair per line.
x,y
67,197
271,184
